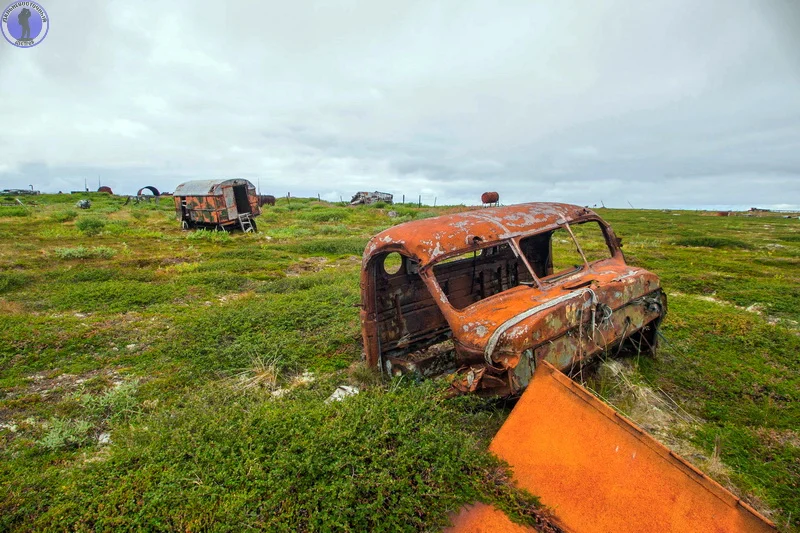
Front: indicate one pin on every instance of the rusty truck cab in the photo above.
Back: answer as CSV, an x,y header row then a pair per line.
x,y
493,291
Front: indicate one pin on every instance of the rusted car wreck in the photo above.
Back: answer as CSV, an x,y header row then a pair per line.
x,y
496,291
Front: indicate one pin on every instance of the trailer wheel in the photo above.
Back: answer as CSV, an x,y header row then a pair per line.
x,y
255,228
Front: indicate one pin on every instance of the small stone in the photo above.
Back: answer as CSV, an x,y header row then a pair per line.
x,y
392,214
341,392
305,378
104,438
131,346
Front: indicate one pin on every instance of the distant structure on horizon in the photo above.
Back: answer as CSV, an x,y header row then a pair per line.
x,y
19,192
366,198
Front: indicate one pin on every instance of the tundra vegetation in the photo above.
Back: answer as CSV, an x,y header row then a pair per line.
x,y
157,379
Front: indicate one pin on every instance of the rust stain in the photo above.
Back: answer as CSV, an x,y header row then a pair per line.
x,y
599,472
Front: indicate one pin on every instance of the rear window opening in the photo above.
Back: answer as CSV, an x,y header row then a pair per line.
x,y
471,277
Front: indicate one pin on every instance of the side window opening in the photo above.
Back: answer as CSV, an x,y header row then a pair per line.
x,y
555,253
552,253
564,255
392,263
592,240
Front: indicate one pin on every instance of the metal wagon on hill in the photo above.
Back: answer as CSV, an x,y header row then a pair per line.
x,y
219,204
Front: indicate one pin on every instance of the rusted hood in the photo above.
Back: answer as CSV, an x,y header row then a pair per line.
x,y
516,319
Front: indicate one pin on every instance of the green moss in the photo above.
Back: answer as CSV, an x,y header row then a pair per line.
x,y
188,314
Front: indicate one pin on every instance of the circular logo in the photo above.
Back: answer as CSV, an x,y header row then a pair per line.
x,y
24,24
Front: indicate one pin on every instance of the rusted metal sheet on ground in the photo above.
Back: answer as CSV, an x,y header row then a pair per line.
x,y
485,281
216,203
482,518
599,472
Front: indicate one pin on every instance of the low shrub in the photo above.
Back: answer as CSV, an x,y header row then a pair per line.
x,y
12,280
117,403
338,229
90,226
220,281
83,252
112,296
63,433
98,412
14,211
325,215
712,242
347,246
89,274
397,460
64,216
205,235
290,232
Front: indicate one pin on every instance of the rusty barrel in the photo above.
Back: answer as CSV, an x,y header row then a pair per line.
x,y
490,197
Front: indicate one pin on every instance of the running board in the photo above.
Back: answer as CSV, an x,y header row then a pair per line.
x,y
600,473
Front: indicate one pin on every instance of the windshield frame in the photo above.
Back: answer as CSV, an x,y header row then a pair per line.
x,y
429,276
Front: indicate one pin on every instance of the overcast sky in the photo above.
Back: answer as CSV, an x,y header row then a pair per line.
x,y
676,103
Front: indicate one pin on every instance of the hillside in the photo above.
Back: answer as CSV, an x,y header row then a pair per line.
x,y
161,379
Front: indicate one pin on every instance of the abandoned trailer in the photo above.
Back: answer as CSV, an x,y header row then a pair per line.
x,y
511,286
217,204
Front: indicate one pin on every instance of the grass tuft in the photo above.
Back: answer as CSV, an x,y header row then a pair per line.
x,y
713,242
90,226
83,252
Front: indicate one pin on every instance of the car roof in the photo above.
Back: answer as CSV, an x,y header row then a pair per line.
x,y
431,239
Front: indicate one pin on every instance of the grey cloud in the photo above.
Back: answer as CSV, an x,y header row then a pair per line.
x,y
665,103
